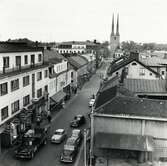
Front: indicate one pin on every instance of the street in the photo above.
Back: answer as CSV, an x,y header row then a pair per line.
x,y
49,154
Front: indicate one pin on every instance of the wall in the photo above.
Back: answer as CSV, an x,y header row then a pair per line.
x,y
8,99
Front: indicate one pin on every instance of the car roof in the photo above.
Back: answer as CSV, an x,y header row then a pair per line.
x,y
59,130
71,140
79,115
76,131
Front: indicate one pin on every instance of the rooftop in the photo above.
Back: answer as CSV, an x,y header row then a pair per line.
x,y
7,47
78,43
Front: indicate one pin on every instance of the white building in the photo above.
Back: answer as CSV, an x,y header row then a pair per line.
x,y
23,79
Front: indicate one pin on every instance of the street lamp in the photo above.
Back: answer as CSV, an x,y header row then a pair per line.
x,y
91,135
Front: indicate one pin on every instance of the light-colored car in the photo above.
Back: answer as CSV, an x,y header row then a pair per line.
x,y
58,136
91,102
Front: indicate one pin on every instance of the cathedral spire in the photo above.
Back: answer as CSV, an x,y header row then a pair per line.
x,y
117,32
112,33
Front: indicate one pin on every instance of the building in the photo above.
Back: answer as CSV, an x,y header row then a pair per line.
x,y
132,67
79,64
125,126
114,37
61,81
23,88
76,47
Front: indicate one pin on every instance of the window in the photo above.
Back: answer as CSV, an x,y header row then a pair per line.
x,y
25,59
6,62
26,100
14,85
4,113
142,72
162,72
39,57
32,59
46,73
18,60
46,88
26,81
15,106
134,64
39,92
39,76
3,89
72,74
151,74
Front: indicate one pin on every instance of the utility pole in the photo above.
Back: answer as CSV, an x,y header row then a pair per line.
x,y
85,158
92,135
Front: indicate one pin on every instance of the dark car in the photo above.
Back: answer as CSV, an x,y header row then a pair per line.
x,y
78,135
78,121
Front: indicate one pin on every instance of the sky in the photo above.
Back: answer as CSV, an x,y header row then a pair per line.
x,y
80,20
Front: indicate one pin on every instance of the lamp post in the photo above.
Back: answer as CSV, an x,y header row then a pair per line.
x,y
85,157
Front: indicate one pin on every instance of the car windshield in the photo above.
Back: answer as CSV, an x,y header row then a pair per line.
x,y
58,132
67,152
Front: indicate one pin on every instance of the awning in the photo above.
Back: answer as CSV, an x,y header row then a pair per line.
x,y
124,141
58,96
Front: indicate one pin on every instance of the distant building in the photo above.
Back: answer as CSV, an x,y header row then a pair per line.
x,y
114,37
76,47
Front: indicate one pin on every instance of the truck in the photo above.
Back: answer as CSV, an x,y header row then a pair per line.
x,y
31,141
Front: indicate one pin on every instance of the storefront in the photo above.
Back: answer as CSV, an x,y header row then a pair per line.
x,y
57,100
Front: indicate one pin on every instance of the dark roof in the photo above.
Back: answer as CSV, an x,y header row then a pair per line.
x,y
124,141
17,47
77,61
125,60
77,43
124,105
107,95
53,56
138,85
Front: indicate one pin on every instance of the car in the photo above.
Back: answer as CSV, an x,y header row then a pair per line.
x,y
77,121
91,102
78,134
70,150
58,136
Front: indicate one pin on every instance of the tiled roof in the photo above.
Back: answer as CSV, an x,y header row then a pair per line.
x,y
77,61
53,56
17,47
138,85
125,60
123,105
107,95
153,61
124,141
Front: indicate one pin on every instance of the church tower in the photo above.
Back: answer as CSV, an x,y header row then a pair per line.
x,y
114,37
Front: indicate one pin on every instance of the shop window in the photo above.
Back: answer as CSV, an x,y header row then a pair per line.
x,y
15,106
6,62
3,89
4,113
26,100
39,76
26,81
39,93
14,85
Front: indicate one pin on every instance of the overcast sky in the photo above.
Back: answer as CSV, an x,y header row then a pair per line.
x,y
63,20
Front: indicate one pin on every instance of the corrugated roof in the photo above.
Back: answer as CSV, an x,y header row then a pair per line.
x,y
124,141
139,85
17,47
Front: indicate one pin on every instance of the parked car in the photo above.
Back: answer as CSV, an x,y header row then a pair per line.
x,y
78,134
91,102
58,136
70,150
77,121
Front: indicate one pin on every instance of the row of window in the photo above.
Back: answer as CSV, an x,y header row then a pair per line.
x,y
15,83
18,60
15,106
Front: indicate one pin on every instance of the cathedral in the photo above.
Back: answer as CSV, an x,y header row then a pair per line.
x,y
114,37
